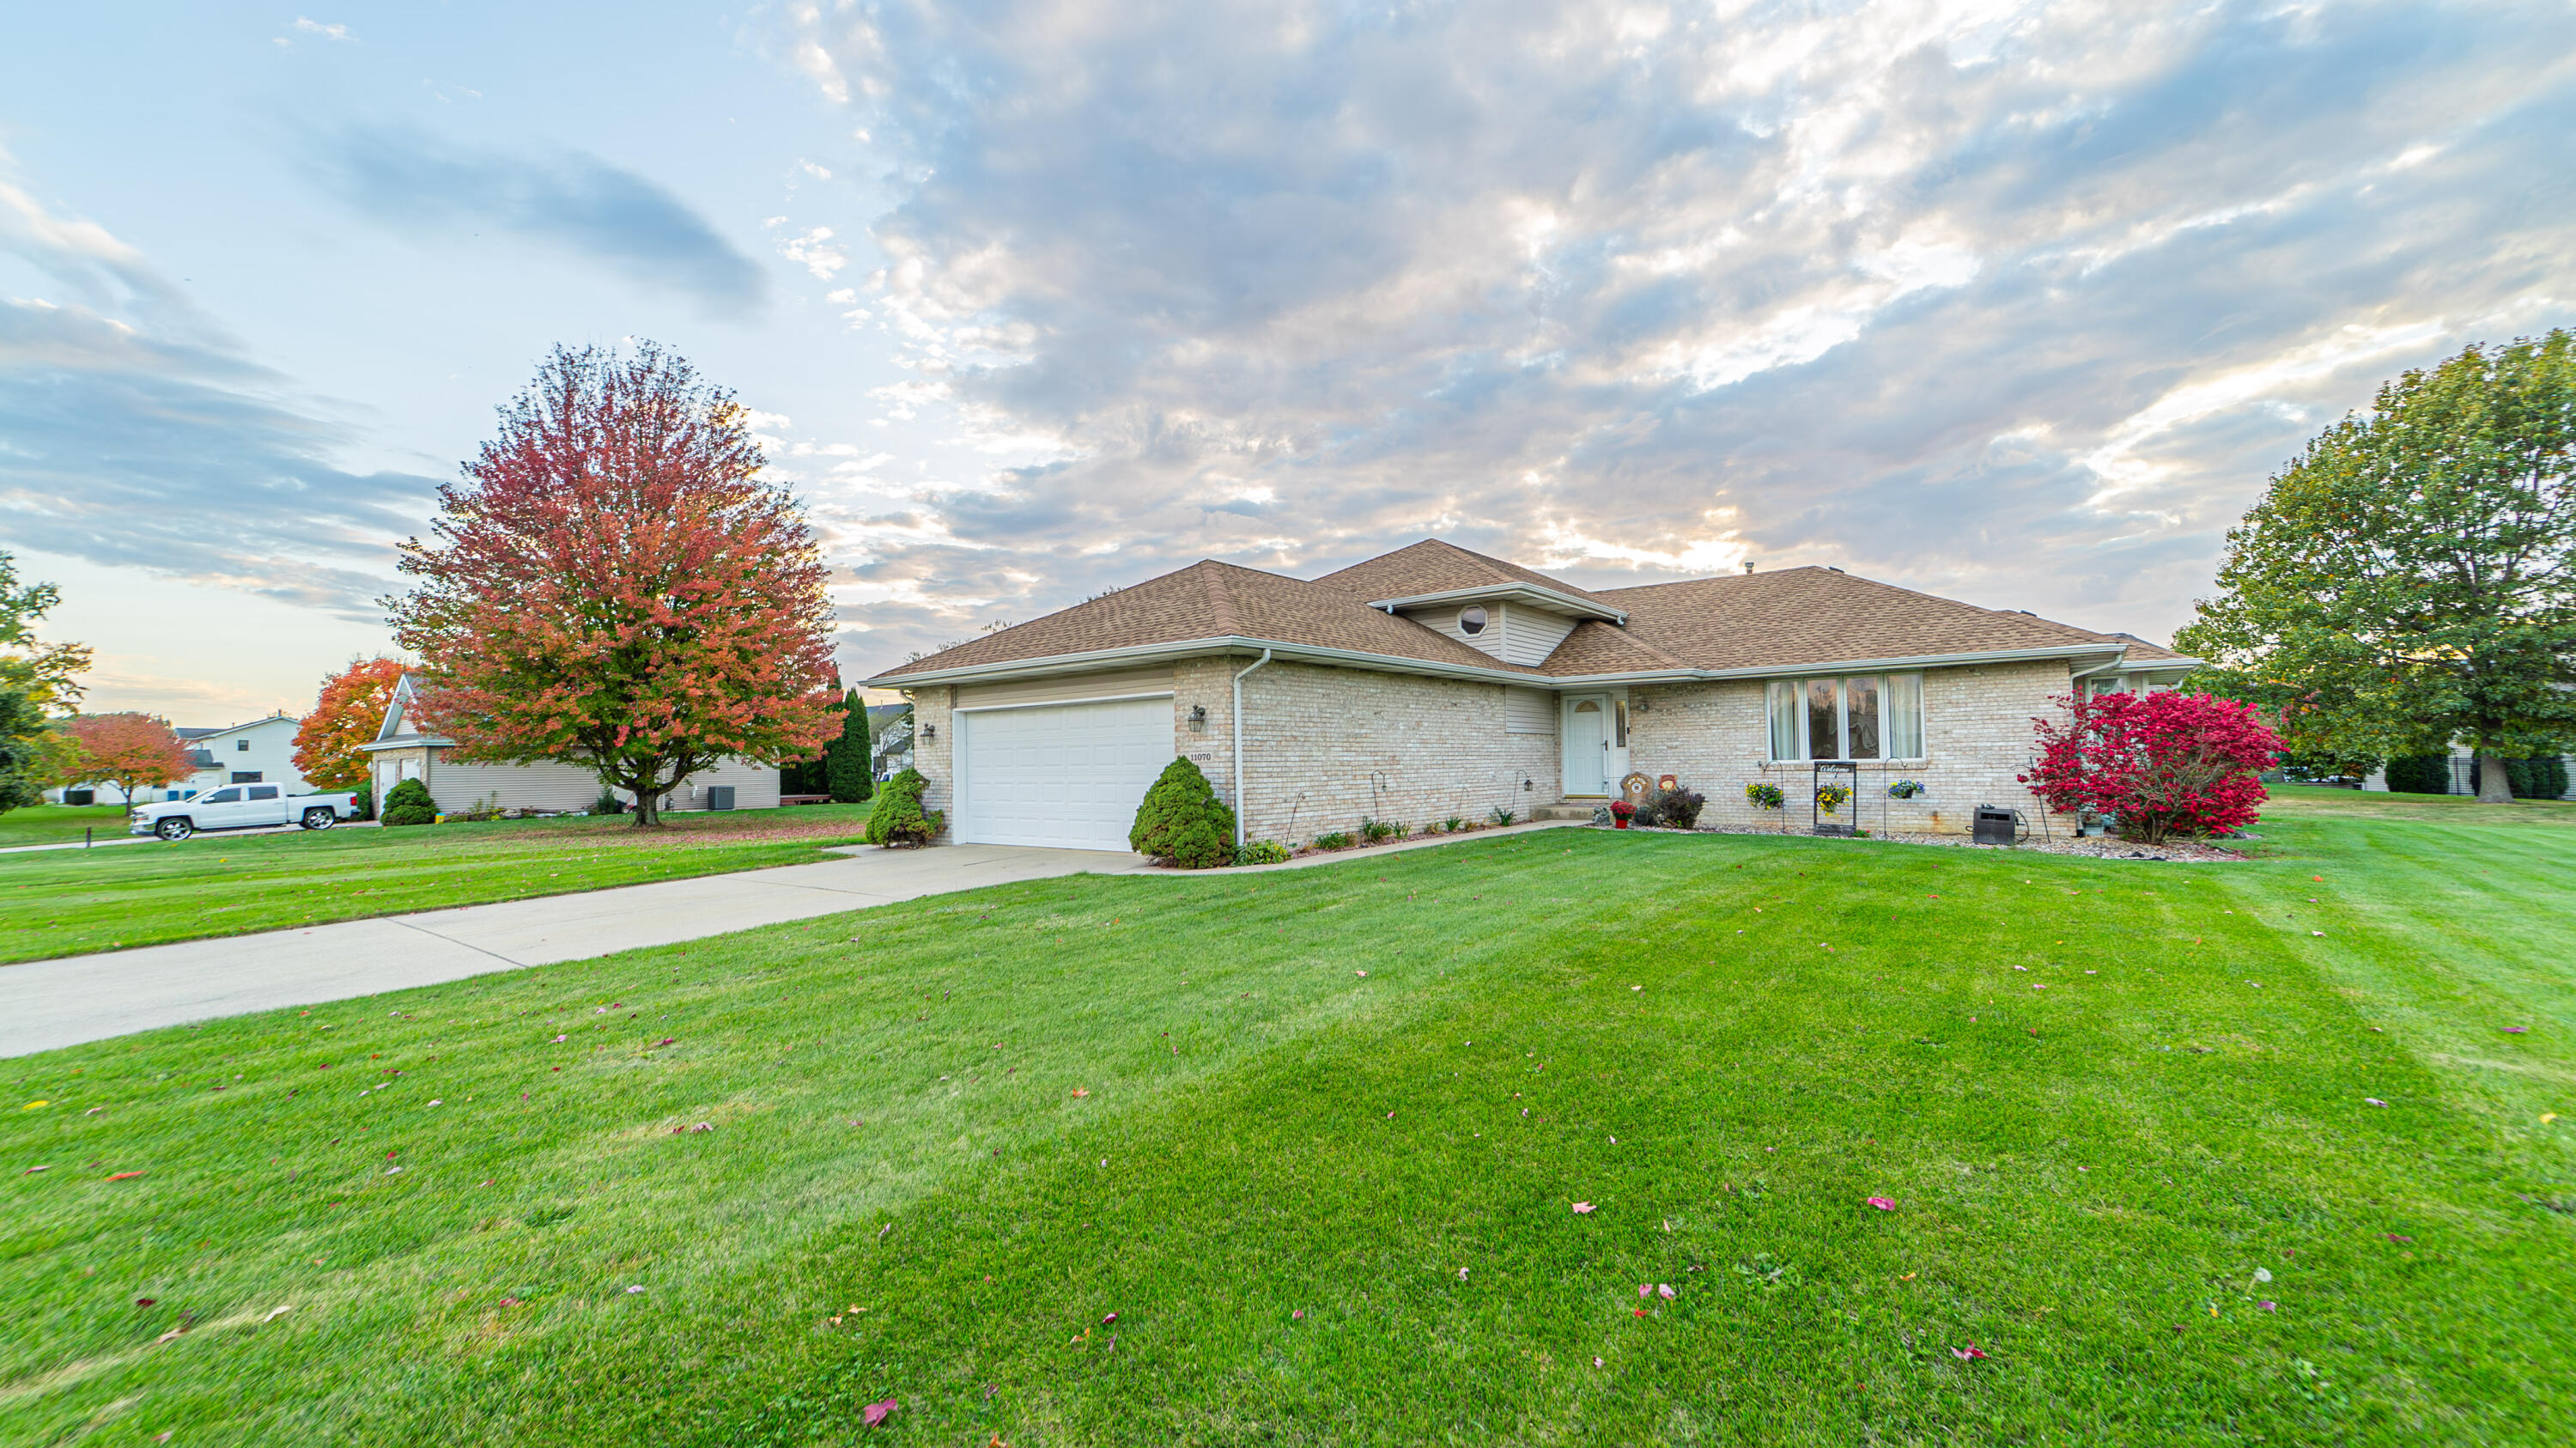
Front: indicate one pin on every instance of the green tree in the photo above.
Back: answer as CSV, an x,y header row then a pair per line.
x,y
2411,579
848,762
25,761
48,674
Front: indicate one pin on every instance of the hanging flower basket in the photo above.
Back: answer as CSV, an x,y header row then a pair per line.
x,y
1832,797
1765,796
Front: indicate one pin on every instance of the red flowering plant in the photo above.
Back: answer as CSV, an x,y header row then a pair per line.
x,y
1621,810
2160,764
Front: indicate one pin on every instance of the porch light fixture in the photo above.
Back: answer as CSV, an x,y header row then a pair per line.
x,y
929,731
1198,718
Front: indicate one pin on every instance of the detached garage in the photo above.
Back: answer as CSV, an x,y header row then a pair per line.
x,y
1065,775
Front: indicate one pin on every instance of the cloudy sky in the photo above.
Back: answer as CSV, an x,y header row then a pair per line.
x,y
2019,303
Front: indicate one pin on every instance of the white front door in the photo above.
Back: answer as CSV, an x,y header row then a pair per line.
x,y
1586,737
1063,775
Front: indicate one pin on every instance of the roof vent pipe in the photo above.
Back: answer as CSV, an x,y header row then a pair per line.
x,y
1748,565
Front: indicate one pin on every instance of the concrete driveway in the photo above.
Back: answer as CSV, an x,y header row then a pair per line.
x,y
49,1003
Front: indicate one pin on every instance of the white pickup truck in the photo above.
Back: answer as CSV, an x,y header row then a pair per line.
x,y
239,806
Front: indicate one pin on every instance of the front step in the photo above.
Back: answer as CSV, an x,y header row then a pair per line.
x,y
1564,811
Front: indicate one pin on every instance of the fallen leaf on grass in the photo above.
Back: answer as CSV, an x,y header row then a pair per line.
x,y
124,1175
2374,1101
875,1413
1883,1204
278,1311
1080,1092
145,1301
1970,1353
1582,1208
2515,1030
1665,1291
31,1171
2392,1236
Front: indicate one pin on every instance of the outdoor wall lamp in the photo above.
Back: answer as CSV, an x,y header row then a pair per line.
x,y
929,731
1198,718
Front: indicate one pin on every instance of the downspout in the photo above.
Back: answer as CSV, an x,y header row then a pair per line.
x,y
1238,746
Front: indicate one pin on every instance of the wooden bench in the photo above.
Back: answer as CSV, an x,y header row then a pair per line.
x,y
788,799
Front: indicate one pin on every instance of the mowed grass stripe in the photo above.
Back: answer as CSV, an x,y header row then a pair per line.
x,y
1759,1086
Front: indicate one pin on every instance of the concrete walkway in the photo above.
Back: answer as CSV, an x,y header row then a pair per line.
x,y
49,1003
45,1004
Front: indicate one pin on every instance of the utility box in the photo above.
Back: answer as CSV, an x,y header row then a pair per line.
x,y
1994,826
720,796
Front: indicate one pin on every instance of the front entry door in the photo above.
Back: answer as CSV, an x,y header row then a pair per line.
x,y
1586,736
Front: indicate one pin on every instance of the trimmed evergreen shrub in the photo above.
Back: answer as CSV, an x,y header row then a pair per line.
x,y
897,818
2420,774
2543,777
1182,822
408,803
849,761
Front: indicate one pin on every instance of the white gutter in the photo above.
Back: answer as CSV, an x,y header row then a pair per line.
x,y
1238,746
1397,663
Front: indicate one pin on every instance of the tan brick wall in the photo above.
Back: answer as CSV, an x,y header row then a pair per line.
x,y
1976,734
1324,747
931,737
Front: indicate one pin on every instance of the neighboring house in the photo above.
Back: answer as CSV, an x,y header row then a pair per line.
x,y
1434,682
2462,759
259,752
889,740
401,751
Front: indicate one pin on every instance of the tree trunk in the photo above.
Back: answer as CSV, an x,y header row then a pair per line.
x,y
2494,785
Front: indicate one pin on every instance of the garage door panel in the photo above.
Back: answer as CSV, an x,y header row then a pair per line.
x,y
1065,775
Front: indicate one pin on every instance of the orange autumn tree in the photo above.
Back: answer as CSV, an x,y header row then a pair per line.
x,y
614,585
345,716
130,751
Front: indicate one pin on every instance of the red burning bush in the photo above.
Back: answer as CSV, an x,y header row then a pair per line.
x,y
2159,764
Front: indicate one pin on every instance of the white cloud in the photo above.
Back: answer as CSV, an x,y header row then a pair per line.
x,y
304,26
2018,300
811,248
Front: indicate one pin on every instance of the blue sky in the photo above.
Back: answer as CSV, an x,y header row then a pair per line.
x,y
2017,303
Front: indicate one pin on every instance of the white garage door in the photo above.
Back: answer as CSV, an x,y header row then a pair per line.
x,y
1064,775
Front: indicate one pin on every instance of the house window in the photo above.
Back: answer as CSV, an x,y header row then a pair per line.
x,y
1471,620
245,776
1619,722
1865,716
241,746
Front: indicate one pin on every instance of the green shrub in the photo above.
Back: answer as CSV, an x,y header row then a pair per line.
x,y
1676,808
2420,774
897,818
1452,825
2544,777
410,795
363,799
1504,816
1262,852
410,814
608,803
1332,840
1372,831
1182,822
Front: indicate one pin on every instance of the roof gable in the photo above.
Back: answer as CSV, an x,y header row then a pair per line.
x,y
1796,617
1434,566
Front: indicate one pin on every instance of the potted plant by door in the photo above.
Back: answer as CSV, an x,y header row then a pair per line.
x,y
1620,810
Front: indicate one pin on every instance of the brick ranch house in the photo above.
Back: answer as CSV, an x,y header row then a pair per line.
x,y
402,751
1435,682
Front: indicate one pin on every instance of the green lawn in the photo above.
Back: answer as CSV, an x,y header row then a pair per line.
x,y
56,824
946,1147
68,902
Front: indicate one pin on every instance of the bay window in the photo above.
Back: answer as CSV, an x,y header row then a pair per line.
x,y
1863,716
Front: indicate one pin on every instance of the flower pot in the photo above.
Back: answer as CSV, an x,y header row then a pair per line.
x,y
1620,820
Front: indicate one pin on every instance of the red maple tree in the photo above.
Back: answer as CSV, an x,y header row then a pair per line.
x,y
615,585
130,751
346,715
2159,764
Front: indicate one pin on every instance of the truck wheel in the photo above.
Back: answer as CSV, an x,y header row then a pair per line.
x,y
318,819
174,830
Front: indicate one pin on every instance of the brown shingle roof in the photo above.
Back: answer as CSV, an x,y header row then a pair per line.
x,y
1432,566
1800,616
1211,600
1793,618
